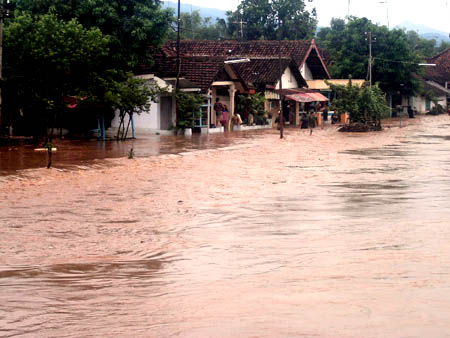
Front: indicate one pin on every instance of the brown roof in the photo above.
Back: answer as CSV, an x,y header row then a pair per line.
x,y
300,51
259,48
201,71
267,70
440,73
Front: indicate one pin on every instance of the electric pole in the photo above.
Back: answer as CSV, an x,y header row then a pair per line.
x,y
281,117
241,28
1,60
177,81
371,40
370,58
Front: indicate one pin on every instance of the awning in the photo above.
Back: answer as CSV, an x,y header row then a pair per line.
x,y
306,97
303,97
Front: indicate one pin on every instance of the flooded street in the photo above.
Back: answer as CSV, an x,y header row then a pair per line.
x,y
329,235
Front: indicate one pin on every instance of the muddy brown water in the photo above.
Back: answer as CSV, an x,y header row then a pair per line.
x,y
73,153
329,235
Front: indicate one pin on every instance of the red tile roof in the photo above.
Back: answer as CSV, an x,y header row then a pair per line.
x,y
267,70
202,60
231,48
440,73
201,71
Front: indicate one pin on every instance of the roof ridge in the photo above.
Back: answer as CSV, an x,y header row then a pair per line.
x,y
440,54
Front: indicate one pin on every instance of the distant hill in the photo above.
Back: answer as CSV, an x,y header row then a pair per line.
x,y
425,32
213,13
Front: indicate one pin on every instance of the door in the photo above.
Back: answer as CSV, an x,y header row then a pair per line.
x,y
165,113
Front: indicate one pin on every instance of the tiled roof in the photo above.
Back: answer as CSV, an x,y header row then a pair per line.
x,y
298,50
229,48
202,60
201,71
440,73
267,70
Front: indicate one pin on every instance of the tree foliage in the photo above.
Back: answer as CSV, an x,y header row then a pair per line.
x,y
252,104
131,97
77,48
189,105
132,25
394,59
262,17
194,27
47,59
366,105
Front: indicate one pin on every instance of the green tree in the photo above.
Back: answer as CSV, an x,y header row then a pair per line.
x,y
130,97
132,25
261,20
46,59
189,105
252,104
394,59
194,27
366,105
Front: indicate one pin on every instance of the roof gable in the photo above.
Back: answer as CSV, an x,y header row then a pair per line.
x,y
301,51
267,70
441,72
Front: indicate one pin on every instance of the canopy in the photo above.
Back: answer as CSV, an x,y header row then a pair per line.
x,y
306,97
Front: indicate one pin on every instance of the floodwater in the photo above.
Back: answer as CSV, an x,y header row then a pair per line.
x,y
71,154
329,235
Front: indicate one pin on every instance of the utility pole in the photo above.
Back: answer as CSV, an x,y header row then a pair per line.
x,y
241,30
177,81
280,73
370,58
371,40
1,60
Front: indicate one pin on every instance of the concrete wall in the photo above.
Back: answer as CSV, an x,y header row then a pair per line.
x,y
288,79
146,122
419,103
306,72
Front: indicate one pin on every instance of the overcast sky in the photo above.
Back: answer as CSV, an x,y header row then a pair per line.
x,y
432,13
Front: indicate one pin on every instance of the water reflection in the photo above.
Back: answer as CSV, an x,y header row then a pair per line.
x,y
81,153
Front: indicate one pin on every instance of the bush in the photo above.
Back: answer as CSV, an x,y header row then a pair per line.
x,y
436,110
366,105
189,106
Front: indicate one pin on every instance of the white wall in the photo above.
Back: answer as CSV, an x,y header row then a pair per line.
x,y
306,72
419,103
288,79
148,121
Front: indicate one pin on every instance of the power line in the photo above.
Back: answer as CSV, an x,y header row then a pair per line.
x,y
396,61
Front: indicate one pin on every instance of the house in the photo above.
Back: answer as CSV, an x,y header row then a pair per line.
x,y
437,80
160,117
205,67
435,83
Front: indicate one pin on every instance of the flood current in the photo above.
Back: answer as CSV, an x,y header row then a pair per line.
x,y
329,235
